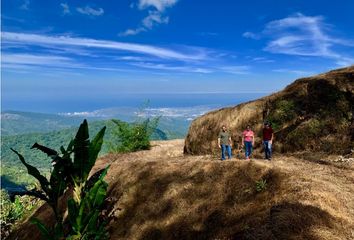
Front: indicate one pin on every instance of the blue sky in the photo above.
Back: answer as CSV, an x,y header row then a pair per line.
x,y
96,49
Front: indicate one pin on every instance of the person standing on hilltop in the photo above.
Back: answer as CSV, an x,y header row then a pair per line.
x,y
224,142
248,141
267,140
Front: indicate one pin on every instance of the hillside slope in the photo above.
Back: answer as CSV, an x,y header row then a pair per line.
x,y
315,113
162,194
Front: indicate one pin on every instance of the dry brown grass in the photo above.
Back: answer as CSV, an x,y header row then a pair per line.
x,y
161,194
314,113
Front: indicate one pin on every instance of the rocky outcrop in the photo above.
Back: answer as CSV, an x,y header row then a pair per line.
x,y
314,113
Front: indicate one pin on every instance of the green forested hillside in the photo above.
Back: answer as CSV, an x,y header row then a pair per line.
x,y
13,169
15,122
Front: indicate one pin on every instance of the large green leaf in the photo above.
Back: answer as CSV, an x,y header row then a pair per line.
x,y
94,149
58,185
73,213
69,149
33,192
81,151
34,172
93,179
97,193
81,215
50,152
91,226
104,172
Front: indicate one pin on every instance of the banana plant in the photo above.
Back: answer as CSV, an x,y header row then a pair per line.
x,y
84,211
71,173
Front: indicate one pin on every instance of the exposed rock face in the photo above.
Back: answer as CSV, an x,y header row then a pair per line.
x,y
314,113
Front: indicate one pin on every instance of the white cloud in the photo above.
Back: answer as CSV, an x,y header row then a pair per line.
x,y
235,69
131,32
250,35
25,5
12,60
131,58
160,5
262,59
32,59
66,9
165,67
67,52
12,18
154,18
24,39
90,11
194,69
304,36
41,63
297,72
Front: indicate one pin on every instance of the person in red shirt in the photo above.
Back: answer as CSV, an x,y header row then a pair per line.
x,y
248,141
267,140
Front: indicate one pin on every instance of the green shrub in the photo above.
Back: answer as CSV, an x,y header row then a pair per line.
x,y
285,110
13,212
71,172
261,185
303,135
131,137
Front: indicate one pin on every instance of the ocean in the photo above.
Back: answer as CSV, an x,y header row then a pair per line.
x,y
55,105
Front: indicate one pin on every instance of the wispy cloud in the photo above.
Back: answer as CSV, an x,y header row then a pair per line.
x,y
165,67
235,69
40,63
195,69
41,50
87,10
160,5
130,32
296,72
305,36
131,58
25,5
66,8
250,35
25,39
155,17
262,60
15,19
42,60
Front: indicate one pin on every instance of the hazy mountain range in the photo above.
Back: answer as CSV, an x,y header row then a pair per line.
x,y
16,122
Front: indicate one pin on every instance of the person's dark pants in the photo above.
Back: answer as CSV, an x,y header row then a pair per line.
x,y
267,149
248,149
225,148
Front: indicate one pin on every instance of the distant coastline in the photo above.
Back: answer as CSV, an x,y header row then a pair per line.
x,y
137,100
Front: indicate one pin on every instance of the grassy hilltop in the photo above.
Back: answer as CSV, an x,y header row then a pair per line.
x,y
315,114
162,194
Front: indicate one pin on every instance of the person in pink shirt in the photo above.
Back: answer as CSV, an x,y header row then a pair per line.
x,y
248,141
